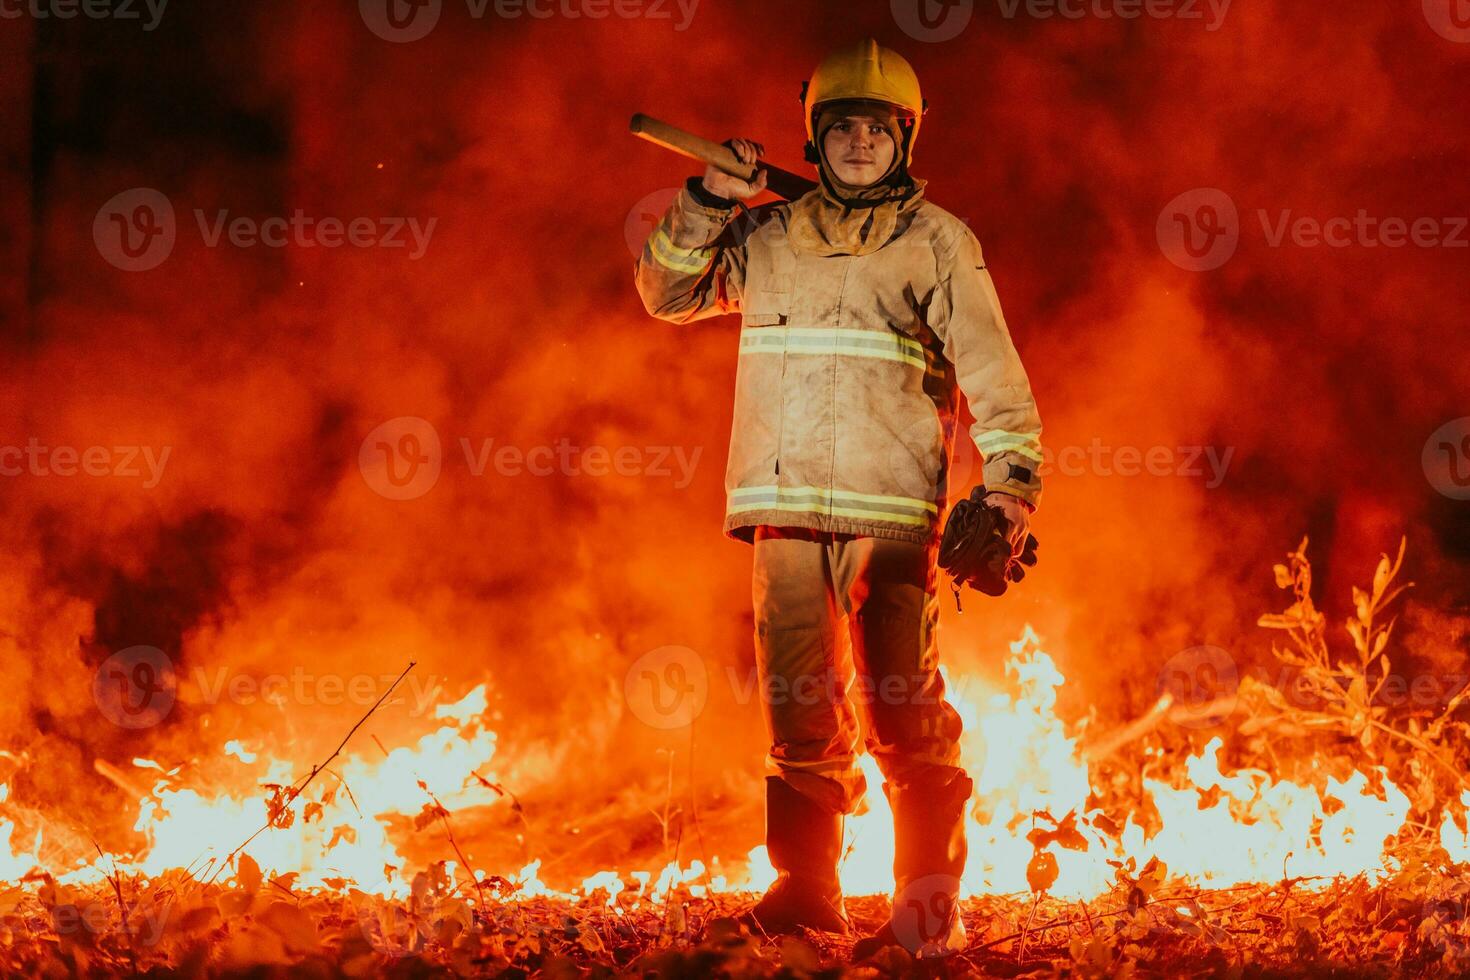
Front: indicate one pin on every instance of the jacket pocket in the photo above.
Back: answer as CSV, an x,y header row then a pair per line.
x,y
766,297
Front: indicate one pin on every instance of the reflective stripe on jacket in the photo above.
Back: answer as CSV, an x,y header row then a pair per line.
x,y
850,367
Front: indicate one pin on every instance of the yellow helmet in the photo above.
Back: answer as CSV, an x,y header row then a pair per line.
x,y
870,71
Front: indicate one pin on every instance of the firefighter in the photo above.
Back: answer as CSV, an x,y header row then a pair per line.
x,y
866,312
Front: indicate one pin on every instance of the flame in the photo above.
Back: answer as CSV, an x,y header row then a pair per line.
x,y
1212,827
1024,762
1454,836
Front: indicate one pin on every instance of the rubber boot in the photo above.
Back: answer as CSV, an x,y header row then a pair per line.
x,y
804,841
928,862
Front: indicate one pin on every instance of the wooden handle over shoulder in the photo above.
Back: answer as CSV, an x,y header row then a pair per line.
x,y
782,182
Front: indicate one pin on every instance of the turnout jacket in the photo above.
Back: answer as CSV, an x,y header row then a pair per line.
x,y
849,370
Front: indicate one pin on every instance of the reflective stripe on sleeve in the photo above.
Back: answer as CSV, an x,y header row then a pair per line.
x,y
687,260
1000,441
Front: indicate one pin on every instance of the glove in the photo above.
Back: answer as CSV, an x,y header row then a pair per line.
x,y
1026,559
975,551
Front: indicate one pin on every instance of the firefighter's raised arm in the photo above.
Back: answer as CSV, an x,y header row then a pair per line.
x,y
693,264
967,317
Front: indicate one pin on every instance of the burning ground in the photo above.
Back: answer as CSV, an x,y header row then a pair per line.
x,y
514,801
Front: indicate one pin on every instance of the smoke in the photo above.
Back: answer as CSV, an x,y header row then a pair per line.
x,y
1289,391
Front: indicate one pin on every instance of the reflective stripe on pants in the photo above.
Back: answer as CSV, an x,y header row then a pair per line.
x,y
813,685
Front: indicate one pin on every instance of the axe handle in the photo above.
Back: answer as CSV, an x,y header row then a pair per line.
x,y
781,182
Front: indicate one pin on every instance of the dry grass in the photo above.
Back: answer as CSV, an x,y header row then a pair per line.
x,y
1414,922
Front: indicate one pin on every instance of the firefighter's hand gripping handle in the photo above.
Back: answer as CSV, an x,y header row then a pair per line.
x,y
782,182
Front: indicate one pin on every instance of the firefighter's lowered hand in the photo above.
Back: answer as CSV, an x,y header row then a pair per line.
x,y
976,549
1019,516
721,184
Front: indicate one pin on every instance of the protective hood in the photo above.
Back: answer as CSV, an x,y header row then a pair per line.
x,y
839,218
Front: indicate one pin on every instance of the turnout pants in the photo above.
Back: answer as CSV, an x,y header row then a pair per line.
x,y
807,585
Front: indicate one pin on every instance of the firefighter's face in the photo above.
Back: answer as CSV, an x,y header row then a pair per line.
x,y
859,149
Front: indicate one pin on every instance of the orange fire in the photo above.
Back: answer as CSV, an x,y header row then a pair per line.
x,y
1028,764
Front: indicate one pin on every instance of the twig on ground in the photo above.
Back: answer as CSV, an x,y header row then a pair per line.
x,y
297,790
443,814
